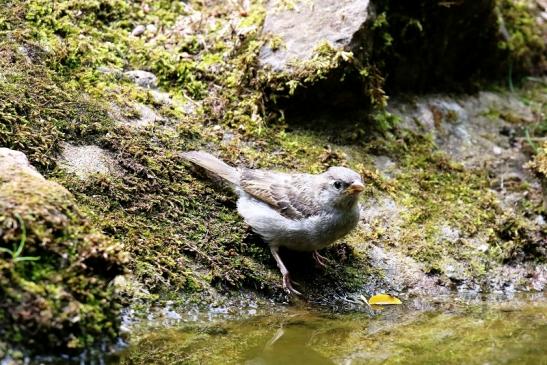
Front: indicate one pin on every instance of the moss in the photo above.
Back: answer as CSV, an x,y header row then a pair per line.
x,y
37,111
62,301
539,166
539,163
332,77
523,39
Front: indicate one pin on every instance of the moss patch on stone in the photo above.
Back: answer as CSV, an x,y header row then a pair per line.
x,y
61,300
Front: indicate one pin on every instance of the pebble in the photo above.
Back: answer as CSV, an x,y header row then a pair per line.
x,y
138,30
151,28
142,78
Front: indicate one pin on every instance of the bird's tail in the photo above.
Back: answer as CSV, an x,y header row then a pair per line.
x,y
213,164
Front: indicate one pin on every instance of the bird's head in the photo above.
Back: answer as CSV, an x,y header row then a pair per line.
x,y
341,187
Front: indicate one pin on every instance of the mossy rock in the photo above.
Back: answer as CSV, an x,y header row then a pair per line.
x,y
395,46
539,166
55,269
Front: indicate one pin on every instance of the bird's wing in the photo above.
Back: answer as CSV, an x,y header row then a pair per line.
x,y
291,195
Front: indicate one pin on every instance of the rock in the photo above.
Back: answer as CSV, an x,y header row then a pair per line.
x,y
448,234
505,278
110,71
13,163
151,28
138,30
87,160
382,214
142,78
385,165
307,24
147,116
161,97
402,274
453,269
63,300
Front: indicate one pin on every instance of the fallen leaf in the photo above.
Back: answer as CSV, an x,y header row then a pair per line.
x,y
383,299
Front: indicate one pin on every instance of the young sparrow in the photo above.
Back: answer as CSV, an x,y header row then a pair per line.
x,y
302,212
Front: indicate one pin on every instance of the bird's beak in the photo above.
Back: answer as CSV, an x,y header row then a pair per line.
x,y
355,188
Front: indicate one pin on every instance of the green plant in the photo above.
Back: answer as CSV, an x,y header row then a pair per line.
x,y
16,252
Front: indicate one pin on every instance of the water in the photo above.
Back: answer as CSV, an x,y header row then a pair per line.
x,y
425,331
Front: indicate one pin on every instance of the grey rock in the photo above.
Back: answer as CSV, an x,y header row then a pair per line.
x,y
13,163
448,234
161,97
147,116
307,24
385,165
142,78
403,274
138,30
87,160
381,212
453,269
505,278
151,28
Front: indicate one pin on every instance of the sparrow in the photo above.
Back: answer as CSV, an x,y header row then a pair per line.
x,y
299,211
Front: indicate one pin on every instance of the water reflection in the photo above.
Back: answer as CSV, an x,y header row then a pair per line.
x,y
453,332
290,345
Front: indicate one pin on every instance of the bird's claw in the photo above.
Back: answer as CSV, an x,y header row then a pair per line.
x,y
320,260
287,285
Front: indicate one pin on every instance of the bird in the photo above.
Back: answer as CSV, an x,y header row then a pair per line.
x,y
299,211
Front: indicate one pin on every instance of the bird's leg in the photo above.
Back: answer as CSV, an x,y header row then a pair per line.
x,y
320,260
280,332
287,282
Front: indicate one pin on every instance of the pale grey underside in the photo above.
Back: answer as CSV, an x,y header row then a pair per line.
x,y
304,234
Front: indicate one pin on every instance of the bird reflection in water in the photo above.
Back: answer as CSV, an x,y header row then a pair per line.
x,y
289,345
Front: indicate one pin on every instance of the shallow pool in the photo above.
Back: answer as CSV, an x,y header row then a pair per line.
x,y
424,331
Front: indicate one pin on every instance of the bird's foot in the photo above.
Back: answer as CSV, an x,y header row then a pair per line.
x,y
320,260
287,285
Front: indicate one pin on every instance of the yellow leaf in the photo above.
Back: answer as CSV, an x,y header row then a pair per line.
x,y
383,299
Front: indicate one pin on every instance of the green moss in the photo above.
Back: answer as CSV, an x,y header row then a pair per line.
x,y
539,163
523,39
62,301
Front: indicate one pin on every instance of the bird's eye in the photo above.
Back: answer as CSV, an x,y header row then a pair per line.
x,y
338,184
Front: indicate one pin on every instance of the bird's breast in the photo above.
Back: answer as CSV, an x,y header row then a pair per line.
x,y
323,230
